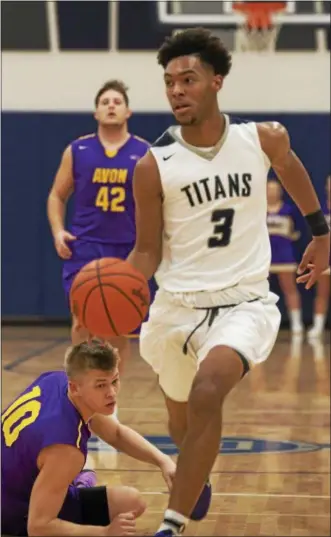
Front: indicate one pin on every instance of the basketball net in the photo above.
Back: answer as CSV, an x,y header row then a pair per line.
x,y
259,29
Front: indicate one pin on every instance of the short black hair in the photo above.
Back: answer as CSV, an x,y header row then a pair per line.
x,y
90,355
116,85
199,42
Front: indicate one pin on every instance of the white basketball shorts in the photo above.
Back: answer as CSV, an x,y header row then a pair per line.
x,y
250,328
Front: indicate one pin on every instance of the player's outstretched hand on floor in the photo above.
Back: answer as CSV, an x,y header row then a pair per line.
x,y
123,524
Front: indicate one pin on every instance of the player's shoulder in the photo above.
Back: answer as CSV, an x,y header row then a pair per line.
x,y
237,120
274,131
84,140
139,146
53,387
87,136
273,128
166,139
140,141
56,407
52,377
241,127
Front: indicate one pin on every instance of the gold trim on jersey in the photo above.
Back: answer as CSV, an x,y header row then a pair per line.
x,y
86,136
111,153
207,155
79,433
283,267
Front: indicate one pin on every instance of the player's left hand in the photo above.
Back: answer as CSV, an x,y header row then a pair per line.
x,y
315,260
168,469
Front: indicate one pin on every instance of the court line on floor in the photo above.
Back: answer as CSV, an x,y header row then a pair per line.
x,y
41,338
35,339
280,411
33,354
216,472
271,425
248,495
231,513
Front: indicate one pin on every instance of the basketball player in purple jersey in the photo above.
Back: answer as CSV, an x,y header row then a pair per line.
x,y
97,169
44,435
281,232
322,299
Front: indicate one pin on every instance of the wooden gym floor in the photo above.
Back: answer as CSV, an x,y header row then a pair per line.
x,y
273,477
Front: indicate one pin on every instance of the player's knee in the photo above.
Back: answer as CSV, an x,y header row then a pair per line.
x,y
125,500
134,502
206,396
221,370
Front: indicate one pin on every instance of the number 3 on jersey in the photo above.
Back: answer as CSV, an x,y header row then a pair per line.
x,y
223,219
24,411
111,199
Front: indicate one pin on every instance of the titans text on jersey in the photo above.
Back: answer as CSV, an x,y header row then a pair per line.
x,y
215,211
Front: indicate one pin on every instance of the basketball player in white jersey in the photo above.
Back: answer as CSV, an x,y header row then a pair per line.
x,y
201,207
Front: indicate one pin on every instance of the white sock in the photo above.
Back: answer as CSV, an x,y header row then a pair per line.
x,y
295,316
173,521
319,321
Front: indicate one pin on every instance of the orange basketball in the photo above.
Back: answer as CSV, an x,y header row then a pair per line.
x,y
109,297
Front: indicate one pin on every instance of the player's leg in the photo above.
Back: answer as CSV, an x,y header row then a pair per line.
x,y
82,253
98,506
177,419
177,425
246,334
292,299
219,372
321,305
161,345
125,500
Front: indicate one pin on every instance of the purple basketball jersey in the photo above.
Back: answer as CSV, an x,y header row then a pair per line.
x,y
103,197
41,416
281,228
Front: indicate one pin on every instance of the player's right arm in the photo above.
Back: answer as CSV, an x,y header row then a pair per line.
x,y
147,252
59,465
61,190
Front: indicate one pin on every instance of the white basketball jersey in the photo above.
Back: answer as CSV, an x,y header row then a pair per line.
x,y
215,211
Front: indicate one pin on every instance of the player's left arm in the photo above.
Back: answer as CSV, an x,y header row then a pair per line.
x,y
275,143
131,443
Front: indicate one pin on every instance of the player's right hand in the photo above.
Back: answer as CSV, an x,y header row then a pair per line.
x,y
61,239
123,524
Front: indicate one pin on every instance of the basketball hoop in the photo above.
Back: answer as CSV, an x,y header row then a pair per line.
x,y
259,29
